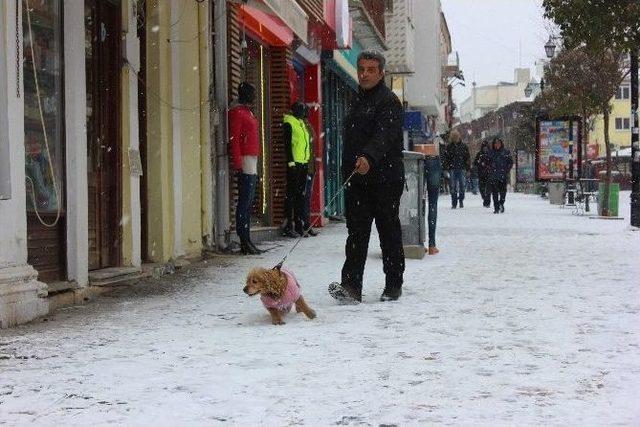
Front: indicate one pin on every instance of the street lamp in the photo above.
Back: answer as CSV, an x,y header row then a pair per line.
x,y
550,48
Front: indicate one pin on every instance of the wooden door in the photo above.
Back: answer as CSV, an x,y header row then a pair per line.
x,y
103,62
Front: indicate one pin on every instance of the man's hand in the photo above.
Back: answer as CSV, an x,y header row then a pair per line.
x,y
362,165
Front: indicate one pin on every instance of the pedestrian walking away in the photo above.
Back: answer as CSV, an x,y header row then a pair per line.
x,y
481,162
244,150
373,145
500,163
458,162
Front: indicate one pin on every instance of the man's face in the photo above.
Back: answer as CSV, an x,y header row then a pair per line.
x,y
369,73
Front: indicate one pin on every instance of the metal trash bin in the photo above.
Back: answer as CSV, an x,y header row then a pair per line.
x,y
556,193
413,206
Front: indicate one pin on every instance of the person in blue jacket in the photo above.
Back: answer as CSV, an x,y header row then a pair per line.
x,y
500,163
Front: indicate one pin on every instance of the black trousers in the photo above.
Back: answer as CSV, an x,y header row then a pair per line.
x,y
294,208
485,189
364,204
499,192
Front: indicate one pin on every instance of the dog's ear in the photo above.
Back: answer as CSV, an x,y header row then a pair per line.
x,y
274,282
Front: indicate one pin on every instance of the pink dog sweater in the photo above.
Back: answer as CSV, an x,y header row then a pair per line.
x,y
288,298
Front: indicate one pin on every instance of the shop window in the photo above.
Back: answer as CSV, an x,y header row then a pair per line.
x,y
43,108
5,170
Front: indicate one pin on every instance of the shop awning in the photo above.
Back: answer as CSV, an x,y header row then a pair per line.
x,y
269,27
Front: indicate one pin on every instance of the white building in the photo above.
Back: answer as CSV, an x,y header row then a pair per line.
x,y
427,90
484,99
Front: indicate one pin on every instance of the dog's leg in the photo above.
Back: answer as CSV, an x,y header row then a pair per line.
x,y
301,306
276,316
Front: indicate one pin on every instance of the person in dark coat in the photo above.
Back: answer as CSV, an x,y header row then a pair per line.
x,y
500,163
481,162
297,146
458,163
373,146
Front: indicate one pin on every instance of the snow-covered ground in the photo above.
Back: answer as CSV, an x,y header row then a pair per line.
x,y
531,317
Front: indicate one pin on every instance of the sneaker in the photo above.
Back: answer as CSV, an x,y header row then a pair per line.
x,y
343,294
391,295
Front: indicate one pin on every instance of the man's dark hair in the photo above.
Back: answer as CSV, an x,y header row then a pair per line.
x,y
246,93
373,55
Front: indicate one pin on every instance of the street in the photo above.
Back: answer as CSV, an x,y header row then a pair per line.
x,y
528,317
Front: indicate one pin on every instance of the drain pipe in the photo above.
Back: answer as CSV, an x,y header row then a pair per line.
x,y
219,128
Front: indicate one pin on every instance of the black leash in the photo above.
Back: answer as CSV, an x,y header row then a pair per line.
x,y
313,223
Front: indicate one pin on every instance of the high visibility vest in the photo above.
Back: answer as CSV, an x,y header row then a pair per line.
x,y
300,139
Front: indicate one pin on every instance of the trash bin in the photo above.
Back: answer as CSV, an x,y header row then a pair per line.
x,y
556,193
614,197
412,206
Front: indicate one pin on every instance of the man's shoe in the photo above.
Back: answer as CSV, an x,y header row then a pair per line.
x,y
343,294
486,205
312,232
501,207
461,204
391,295
288,232
246,249
496,211
453,206
254,247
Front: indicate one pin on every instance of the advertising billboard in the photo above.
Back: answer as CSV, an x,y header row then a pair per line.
x,y
557,142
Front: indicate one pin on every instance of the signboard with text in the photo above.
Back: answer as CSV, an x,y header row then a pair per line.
x,y
557,142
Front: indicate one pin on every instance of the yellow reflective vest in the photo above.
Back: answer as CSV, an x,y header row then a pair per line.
x,y
300,139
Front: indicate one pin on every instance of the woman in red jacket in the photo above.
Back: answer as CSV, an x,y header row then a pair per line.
x,y
244,149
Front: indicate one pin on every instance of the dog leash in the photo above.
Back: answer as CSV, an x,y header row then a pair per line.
x,y
313,223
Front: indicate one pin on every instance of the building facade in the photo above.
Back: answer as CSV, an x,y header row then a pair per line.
x,y
484,99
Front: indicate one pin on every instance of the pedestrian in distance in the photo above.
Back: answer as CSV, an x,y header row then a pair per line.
x,y
500,163
297,146
432,179
373,145
244,150
481,162
458,162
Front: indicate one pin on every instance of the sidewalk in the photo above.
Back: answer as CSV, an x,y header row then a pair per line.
x,y
530,317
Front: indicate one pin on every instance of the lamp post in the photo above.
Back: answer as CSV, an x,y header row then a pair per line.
x,y
635,148
550,47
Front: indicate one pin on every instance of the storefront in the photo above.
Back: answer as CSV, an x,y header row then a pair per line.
x,y
259,45
339,85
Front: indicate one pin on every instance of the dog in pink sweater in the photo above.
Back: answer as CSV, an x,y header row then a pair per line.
x,y
279,291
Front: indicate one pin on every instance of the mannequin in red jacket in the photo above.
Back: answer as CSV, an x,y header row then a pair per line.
x,y
244,149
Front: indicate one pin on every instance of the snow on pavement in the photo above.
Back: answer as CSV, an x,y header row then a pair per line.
x,y
530,317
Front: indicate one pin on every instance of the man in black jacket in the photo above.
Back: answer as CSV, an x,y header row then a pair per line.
x,y
482,163
458,162
373,148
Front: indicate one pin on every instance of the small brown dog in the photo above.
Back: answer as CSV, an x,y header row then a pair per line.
x,y
279,290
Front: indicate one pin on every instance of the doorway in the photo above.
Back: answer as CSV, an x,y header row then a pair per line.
x,y
103,63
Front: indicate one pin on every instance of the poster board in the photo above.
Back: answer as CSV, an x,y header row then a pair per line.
x,y
525,167
557,143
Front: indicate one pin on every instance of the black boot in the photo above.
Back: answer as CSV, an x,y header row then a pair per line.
x,y
254,247
246,249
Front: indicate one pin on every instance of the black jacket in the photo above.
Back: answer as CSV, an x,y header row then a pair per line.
x,y
482,163
458,156
373,128
500,163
